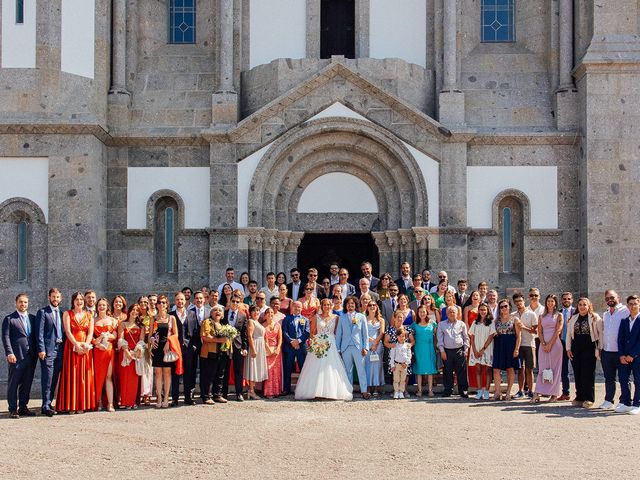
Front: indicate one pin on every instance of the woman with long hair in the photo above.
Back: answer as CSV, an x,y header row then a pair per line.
x,y
76,391
146,319
481,355
549,381
164,326
227,293
130,333
424,329
374,366
506,347
244,281
272,386
382,289
104,337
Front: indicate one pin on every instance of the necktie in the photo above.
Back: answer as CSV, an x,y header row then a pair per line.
x,y
25,321
233,318
56,316
393,304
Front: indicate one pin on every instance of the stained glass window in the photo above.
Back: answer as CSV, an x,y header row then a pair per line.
x,y
498,20
182,21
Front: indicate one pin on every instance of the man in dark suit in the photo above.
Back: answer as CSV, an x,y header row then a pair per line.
x,y
567,310
426,281
189,337
405,281
50,345
295,332
629,352
462,294
390,304
236,319
294,289
367,272
18,338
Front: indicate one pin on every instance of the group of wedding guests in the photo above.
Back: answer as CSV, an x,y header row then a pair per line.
x,y
108,354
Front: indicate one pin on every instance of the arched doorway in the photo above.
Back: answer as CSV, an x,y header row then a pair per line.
x,y
348,250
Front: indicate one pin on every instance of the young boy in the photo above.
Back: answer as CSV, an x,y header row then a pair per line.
x,y
399,360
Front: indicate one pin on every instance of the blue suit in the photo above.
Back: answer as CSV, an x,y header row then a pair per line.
x,y
19,340
294,327
629,344
352,336
50,340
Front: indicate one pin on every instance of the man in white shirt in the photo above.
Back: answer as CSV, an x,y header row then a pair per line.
x,y
270,289
492,302
529,321
200,307
334,268
609,355
230,275
442,275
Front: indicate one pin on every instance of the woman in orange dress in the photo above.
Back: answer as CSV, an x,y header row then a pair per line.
x,y
272,387
119,313
130,332
76,392
104,337
310,304
469,316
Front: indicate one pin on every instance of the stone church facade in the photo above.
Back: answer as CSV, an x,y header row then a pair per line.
x,y
147,145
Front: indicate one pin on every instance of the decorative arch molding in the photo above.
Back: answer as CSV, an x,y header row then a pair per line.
x,y
328,145
151,207
18,209
520,197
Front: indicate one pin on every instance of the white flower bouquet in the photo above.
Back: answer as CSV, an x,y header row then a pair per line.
x,y
319,345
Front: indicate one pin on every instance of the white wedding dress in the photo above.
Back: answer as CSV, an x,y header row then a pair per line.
x,y
324,377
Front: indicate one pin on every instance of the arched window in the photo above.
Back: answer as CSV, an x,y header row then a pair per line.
x,y
506,240
165,236
182,21
22,251
498,20
511,230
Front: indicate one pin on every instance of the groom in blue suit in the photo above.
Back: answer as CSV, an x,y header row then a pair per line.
x,y
629,352
295,332
50,344
352,339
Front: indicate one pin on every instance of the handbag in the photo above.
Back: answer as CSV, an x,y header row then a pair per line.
x,y
547,375
374,357
170,356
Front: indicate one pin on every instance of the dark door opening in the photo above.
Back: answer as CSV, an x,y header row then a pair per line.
x,y
337,28
348,250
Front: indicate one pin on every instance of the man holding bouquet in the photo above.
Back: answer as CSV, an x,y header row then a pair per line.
x,y
240,344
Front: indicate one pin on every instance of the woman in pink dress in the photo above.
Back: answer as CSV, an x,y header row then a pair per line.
x,y
550,355
272,387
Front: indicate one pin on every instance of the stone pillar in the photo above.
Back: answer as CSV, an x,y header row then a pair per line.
x,y
281,245
421,248
119,47
393,240
291,252
566,98
406,246
383,251
451,100
224,103
255,258
269,252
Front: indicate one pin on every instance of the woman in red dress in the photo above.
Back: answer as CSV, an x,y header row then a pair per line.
x,y
310,304
272,387
130,332
119,313
76,392
469,316
104,337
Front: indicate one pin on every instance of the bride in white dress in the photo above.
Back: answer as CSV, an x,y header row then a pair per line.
x,y
324,377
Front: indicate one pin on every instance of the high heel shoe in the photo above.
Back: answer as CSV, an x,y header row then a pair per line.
x,y
253,396
110,408
165,404
419,393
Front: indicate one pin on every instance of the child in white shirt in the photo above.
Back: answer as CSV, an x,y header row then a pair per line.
x,y
399,360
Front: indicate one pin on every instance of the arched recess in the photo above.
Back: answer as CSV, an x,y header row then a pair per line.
x,y
23,245
511,220
338,145
165,219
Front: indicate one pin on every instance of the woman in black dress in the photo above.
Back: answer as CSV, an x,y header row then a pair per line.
x,y
164,326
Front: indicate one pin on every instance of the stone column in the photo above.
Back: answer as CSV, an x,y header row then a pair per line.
x,y
406,246
281,245
383,251
268,251
420,249
291,252
393,240
119,47
224,103
254,247
566,98
451,99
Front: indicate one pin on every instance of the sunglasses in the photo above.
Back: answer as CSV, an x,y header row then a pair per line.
x,y
503,306
533,295
235,301
308,289
259,298
162,302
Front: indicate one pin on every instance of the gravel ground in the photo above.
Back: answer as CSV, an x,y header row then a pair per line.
x,y
382,438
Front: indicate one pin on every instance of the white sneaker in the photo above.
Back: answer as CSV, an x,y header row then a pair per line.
x,y
395,395
622,408
401,395
634,411
606,405
478,395
485,395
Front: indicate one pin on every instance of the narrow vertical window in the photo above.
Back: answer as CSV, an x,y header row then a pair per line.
x,y
19,11
506,240
182,21
22,251
337,28
498,20
168,240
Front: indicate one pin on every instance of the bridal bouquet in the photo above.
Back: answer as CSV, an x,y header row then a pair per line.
x,y
319,345
228,332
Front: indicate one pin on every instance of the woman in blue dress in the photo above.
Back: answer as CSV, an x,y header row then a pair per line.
x,y
424,349
505,332
373,367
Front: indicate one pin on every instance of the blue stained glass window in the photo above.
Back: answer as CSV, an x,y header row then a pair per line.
x,y
506,240
498,20
22,252
168,240
19,11
182,21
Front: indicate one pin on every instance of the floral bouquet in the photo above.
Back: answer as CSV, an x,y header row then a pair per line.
x,y
319,345
228,332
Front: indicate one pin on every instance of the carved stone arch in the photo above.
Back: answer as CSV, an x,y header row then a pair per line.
x,y
518,195
20,209
153,200
305,152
